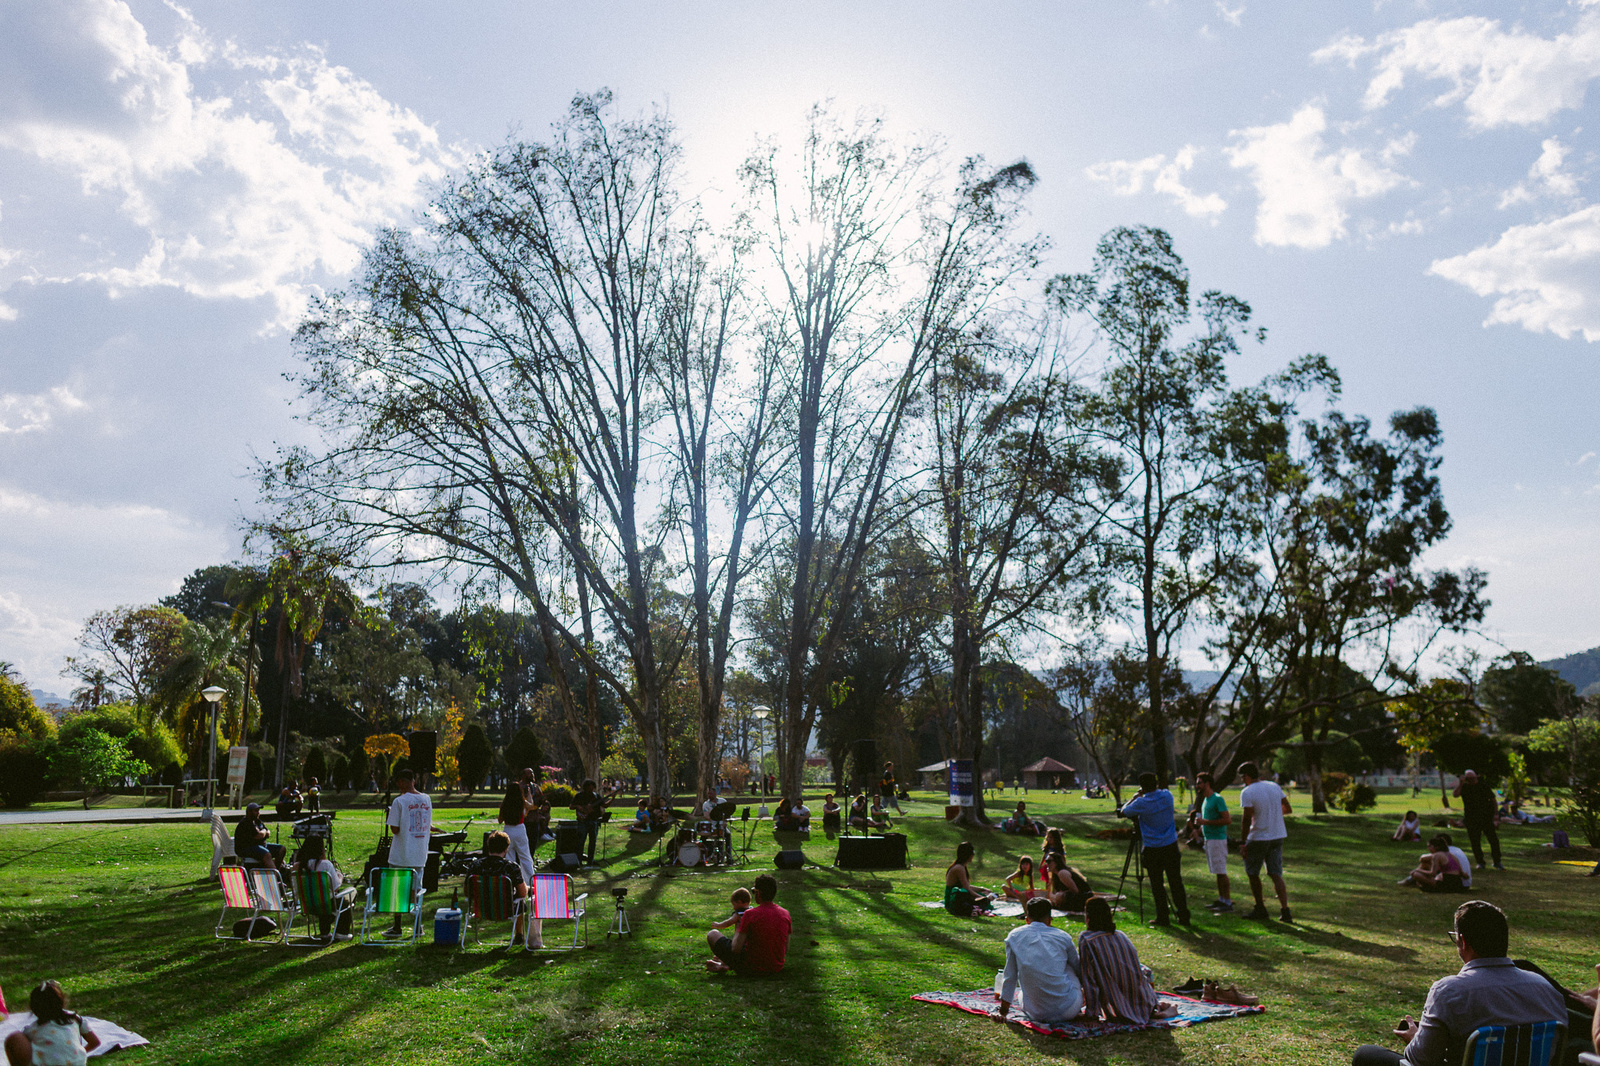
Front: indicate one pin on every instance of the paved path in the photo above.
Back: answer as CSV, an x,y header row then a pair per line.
x,y
112,814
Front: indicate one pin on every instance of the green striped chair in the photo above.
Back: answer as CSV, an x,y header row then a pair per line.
x,y
315,899
235,897
491,899
392,890
1534,1044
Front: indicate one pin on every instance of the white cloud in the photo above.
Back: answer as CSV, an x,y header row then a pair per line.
x,y
1305,187
1500,77
1128,177
1545,177
1546,275
1233,15
26,414
265,182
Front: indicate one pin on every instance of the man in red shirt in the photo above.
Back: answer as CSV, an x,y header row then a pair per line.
x,y
761,940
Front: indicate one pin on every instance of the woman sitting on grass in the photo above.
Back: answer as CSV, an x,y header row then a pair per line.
x,y
56,1037
1069,890
960,897
1410,828
1437,870
1020,884
1114,986
1021,822
1052,846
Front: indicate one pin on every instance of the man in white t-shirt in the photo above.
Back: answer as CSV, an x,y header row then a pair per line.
x,y
1263,805
410,824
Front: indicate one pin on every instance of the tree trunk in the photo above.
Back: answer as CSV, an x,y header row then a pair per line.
x,y
283,725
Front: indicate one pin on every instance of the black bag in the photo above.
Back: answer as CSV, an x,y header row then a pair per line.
x,y
252,929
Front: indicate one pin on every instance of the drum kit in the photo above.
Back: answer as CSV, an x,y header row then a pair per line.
x,y
708,842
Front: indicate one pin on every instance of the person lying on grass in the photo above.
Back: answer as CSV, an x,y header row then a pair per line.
x,y
1019,885
1437,870
961,898
56,1036
1041,973
1114,985
762,939
1489,990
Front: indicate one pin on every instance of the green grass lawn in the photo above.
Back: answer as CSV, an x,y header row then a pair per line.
x,y
122,915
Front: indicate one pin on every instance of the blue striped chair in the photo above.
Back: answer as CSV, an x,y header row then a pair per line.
x,y
1534,1044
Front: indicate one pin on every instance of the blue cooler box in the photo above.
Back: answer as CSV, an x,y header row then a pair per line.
x,y
447,926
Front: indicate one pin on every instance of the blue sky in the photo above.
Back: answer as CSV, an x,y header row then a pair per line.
x,y
1402,186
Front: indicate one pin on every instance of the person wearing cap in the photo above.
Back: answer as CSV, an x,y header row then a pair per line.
x,y
250,839
1478,812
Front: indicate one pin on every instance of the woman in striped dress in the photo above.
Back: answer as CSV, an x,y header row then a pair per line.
x,y
1114,986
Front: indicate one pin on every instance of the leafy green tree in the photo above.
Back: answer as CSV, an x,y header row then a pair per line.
x,y
474,755
524,752
316,765
360,769
18,713
95,760
24,768
127,648
212,653
1521,694
1438,708
1457,753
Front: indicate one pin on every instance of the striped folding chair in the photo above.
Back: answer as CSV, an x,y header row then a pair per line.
x,y
235,897
553,900
271,897
491,899
1534,1044
392,890
315,899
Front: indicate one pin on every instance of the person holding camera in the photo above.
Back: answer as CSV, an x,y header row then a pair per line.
x,y
1156,816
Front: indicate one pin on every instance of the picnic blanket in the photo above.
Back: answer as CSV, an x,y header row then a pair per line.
x,y
1190,1012
112,1035
1011,908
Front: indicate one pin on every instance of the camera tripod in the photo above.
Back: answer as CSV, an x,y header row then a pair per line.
x,y
1134,859
619,923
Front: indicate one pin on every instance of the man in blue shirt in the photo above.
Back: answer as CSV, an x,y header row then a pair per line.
x,y
1158,830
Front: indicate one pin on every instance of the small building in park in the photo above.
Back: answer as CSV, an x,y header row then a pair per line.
x,y
933,775
1049,773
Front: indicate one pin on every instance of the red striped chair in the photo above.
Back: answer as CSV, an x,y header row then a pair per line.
x,y
235,897
552,900
491,899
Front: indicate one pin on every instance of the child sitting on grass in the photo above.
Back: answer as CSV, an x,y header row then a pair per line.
x,y
55,1037
1410,828
1020,884
741,903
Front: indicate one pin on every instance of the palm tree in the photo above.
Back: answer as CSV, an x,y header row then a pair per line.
x,y
212,655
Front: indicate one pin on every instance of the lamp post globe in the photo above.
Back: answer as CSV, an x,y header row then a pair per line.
x,y
213,695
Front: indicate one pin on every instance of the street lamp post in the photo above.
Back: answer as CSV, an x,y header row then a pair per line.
x,y
760,714
213,695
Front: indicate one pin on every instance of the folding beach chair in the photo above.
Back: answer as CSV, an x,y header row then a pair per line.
x,y
553,901
315,899
235,897
271,897
221,845
392,890
1534,1044
491,899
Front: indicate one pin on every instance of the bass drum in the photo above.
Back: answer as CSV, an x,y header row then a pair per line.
x,y
689,855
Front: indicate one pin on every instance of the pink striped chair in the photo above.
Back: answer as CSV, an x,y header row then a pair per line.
x,y
551,899
235,897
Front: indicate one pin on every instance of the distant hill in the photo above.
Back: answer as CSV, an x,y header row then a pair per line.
x,y
1582,669
46,700
1200,680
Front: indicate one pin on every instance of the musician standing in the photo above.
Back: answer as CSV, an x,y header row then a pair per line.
x,y
589,805
410,823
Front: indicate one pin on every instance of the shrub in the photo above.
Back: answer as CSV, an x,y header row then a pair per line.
x,y
358,771
524,752
252,771
559,795
1356,797
1582,806
1334,783
24,769
316,765
338,774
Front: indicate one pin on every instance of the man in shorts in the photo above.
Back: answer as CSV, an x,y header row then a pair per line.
x,y
410,825
1214,821
1263,805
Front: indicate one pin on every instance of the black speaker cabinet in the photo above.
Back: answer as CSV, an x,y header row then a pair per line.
x,y
790,860
569,838
887,852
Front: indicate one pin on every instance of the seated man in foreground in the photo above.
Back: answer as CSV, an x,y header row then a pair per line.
x,y
1489,990
1044,961
761,939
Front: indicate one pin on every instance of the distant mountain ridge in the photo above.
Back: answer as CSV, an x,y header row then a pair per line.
x,y
43,699
1581,669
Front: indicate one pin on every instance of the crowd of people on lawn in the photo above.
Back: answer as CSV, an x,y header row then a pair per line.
x,y
1048,977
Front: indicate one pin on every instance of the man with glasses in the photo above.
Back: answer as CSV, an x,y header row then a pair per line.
x,y
1488,990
